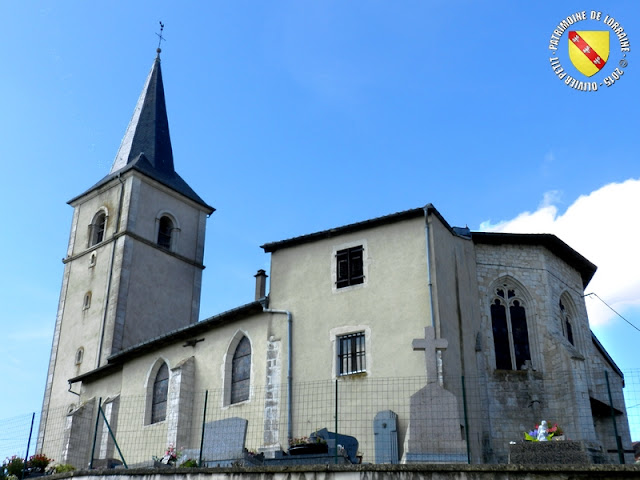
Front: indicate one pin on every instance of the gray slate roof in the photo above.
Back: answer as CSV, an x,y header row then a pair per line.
x,y
146,145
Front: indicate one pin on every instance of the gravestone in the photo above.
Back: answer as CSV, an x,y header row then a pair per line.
x,y
435,432
385,433
350,444
223,441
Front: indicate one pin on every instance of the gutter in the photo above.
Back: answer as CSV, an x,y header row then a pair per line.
x,y
427,234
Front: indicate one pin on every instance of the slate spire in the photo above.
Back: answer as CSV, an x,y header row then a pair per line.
x,y
148,130
146,146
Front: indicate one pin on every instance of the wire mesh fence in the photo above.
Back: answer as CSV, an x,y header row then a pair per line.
x,y
632,401
15,433
377,420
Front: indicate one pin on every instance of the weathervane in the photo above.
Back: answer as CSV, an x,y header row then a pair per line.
x,y
160,37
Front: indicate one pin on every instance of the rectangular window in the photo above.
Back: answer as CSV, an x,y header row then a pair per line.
x,y
351,354
349,269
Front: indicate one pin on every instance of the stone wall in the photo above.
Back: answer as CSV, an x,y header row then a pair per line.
x,y
563,376
369,472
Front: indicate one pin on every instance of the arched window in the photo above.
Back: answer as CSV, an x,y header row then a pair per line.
x,y
510,332
160,394
241,371
79,355
165,230
567,320
98,227
86,303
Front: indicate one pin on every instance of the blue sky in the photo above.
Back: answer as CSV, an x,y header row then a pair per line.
x,y
293,117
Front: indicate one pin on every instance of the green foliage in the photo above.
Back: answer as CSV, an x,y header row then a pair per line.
x,y
189,463
63,468
14,466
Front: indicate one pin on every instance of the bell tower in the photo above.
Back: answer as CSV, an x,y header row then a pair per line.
x,y
134,262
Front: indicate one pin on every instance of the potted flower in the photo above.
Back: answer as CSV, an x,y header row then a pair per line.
x,y
38,463
543,431
169,458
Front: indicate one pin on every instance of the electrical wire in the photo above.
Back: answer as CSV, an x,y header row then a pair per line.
x,y
612,309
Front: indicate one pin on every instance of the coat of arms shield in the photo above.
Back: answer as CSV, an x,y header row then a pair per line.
x,y
589,50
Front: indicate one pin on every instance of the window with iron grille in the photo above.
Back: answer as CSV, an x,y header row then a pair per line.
x,y
349,268
351,354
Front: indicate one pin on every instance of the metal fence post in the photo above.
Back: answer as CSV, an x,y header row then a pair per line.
x,y
113,437
95,433
336,426
466,420
204,421
26,456
613,419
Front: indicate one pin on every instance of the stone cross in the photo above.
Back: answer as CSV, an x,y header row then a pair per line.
x,y
430,344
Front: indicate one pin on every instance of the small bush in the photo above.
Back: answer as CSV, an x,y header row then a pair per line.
x,y
189,463
63,468
14,466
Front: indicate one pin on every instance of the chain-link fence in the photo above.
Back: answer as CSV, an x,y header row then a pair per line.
x,y
377,420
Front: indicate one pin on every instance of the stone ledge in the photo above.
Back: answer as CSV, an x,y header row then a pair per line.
x,y
426,470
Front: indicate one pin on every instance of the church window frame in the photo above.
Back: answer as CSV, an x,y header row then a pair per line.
x,y
238,370
568,319
157,388
509,314
98,227
166,231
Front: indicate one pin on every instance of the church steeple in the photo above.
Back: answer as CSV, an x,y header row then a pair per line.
x,y
148,130
133,268
146,145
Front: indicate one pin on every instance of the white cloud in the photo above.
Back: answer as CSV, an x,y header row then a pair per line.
x,y
601,226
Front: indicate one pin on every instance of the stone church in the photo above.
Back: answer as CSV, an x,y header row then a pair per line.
x,y
464,340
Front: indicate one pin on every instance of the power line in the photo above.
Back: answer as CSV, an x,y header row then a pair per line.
x,y
611,308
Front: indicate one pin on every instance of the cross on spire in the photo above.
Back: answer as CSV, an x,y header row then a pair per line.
x,y
430,344
160,37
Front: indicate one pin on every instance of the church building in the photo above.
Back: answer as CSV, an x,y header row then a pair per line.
x,y
462,340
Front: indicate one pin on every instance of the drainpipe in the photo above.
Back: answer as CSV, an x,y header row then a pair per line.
x,y
428,247
289,363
